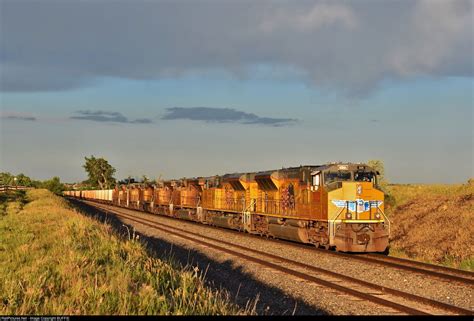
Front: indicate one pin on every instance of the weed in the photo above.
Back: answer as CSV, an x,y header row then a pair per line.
x,y
55,261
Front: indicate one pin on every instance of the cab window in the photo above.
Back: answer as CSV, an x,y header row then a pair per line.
x,y
316,179
337,176
364,176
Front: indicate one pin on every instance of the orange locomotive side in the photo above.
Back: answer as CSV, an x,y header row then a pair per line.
x,y
332,206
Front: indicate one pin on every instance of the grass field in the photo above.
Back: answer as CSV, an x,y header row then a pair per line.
x,y
434,223
55,261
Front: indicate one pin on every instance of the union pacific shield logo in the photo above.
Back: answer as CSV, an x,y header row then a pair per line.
x,y
359,204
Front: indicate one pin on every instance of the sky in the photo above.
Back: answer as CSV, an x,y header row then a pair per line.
x,y
198,88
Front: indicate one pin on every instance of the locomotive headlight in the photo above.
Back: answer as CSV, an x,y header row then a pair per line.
x,y
348,215
377,215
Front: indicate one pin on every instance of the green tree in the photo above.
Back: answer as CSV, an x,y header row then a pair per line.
x,y
6,178
379,167
100,172
23,180
54,185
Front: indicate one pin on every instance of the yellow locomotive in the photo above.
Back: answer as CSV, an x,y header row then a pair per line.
x,y
337,205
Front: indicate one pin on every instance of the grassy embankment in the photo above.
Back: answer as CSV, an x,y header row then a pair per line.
x,y
54,261
434,223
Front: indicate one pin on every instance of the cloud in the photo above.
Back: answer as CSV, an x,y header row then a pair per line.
x,y
141,121
428,45
347,46
320,15
17,116
223,115
108,116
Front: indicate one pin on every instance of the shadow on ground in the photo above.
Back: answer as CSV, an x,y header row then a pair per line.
x,y
243,288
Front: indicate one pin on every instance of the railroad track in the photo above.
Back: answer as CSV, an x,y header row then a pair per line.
x,y
394,301
440,272
430,270
449,274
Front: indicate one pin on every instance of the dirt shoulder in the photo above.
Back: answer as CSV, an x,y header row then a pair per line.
x,y
434,223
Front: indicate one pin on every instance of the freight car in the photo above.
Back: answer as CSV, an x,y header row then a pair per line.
x,y
336,205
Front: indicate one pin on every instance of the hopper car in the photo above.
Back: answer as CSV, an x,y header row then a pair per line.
x,y
334,206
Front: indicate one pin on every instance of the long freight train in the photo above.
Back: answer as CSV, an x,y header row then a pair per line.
x,y
337,205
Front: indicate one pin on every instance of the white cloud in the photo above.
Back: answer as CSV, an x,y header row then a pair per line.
x,y
438,29
320,15
344,46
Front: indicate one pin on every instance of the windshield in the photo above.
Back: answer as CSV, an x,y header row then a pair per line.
x,y
364,177
338,176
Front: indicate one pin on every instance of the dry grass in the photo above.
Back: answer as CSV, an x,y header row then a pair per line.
x,y
55,261
11,202
433,223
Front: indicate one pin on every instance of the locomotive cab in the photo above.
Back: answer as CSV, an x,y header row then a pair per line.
x,y
355,208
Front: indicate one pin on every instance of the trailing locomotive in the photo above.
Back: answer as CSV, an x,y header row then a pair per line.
x,y
336,206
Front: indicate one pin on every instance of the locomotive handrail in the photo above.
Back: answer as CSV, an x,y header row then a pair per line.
x,y
386,217
342,209
378,207
252,203
332,226
246,220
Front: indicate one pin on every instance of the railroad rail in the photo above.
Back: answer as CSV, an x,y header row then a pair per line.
x,y
390,298
440,272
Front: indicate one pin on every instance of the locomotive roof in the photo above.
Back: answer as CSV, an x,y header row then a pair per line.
x,y
237,176
313,168
287,170
291,169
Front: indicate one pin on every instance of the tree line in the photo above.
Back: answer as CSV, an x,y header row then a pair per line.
x,y
101,176
54,184
99,171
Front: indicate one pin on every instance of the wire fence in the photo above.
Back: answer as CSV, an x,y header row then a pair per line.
x,y
6,188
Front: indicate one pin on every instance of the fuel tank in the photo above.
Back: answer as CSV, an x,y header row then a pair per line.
x,y
289,232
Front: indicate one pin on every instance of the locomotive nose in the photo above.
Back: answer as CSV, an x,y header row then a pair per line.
x,y
363,238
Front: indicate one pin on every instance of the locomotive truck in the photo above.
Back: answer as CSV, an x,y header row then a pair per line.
x,y
334,206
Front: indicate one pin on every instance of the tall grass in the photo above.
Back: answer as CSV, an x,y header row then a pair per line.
x,y
404,193
12,202
54,261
